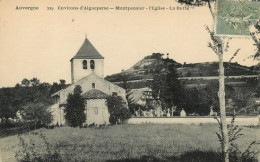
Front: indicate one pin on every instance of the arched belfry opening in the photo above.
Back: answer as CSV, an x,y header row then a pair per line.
x,y
92,64
84,64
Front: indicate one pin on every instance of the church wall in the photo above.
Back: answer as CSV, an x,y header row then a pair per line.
x,y
86,85
97,111
78,72
58,114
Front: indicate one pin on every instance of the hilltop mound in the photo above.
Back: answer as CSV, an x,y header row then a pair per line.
x,y
144,68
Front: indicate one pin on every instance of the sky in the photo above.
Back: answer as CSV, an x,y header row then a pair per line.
x,y
41,43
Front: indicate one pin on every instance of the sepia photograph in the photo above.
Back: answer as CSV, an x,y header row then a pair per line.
x,y
129,81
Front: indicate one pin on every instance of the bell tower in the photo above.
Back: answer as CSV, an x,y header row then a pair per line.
x,y
87,60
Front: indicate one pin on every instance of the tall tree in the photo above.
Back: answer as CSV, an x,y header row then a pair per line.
x,y
7,104
75,108
165,84
117,109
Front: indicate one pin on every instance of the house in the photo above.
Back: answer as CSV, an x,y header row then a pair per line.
x,y
140,96
87,70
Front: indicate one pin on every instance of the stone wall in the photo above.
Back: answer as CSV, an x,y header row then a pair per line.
x,y
243,120
97,112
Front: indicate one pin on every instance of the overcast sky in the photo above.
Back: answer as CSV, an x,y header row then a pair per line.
x,y
41,43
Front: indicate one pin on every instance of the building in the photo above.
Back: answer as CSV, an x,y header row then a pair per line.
x,y
87,70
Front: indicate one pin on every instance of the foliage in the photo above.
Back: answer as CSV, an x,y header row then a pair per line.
x,y
27,152
38,113
7,105
117,109
234,133
28,97
165,84
255,36
135,107
56,87
75,108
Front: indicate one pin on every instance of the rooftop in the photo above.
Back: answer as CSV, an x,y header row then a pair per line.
x,y
87,51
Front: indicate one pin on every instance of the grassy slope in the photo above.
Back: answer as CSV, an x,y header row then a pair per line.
x,y
128,141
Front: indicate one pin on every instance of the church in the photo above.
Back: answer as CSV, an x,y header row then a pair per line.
x,y
87,70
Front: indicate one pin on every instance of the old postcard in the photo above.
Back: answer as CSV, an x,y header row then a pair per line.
x,y
129,80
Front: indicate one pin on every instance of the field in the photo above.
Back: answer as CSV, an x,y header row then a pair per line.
x,y
145,142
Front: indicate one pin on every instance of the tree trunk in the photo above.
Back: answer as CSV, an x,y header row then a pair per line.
x,y
221,94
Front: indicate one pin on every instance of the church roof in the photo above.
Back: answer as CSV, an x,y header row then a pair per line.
x,y
87,51
95,94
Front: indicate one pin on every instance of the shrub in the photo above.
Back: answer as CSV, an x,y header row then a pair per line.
x,y
117,109
235,154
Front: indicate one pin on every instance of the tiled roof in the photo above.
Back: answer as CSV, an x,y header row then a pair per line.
x,y
95,94
87,51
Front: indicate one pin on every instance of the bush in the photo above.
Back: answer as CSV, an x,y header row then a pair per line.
x,y
117,109
235,154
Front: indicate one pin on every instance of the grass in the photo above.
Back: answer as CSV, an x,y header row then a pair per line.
x,y
130,143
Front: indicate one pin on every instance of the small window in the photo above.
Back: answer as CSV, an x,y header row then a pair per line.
x,y
84,64
93,85
96,110
92,64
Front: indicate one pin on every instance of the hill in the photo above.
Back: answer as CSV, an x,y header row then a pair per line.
x,y
143,69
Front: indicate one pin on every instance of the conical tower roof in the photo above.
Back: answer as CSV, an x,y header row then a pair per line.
x,y
87,51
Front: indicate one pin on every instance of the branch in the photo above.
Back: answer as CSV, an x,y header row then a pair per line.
x,y
210,9
227,45
212,47
234,55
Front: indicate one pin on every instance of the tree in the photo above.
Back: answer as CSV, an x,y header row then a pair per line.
x,y
25,82
29,97
255,34
62,83
55,87
117,109
165,84
37,113
33,100
218,48
75,108
35,82
7,108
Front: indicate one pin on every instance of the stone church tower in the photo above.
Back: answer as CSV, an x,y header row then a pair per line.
x,y
87,60
87,71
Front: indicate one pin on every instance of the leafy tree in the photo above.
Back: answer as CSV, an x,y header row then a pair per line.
x,y
33,101
35,82
117,109
165,84
62,83
7,108
55,87
27,96
25,82
38,113
75,108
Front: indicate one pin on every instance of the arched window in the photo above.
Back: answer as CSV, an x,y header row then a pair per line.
x,y
92,64
93,85
96,110
84,64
